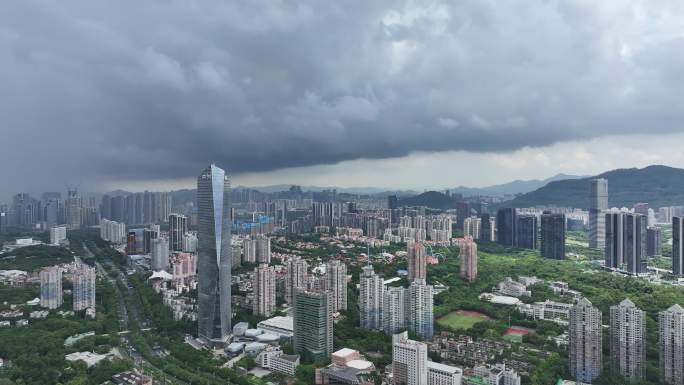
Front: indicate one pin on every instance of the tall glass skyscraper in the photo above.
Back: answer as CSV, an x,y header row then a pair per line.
x,y
214,254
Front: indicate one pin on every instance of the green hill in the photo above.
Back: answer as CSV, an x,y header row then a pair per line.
x,y
432,199
657,185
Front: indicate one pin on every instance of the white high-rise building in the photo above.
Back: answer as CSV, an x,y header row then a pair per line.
x,y
160,254
598,203
58,234
671,336
628,339
409,361
51,287
394,310
370,299
336,282
420,309
264,285
112,231
471,227
190,243
295,278
249,251
84,287
585,334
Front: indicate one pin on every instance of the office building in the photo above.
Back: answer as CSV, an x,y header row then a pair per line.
x,y
486,228
51,287
313,324
614,239
585,335
409,361
598,203
416,261
214,255
160,254
336,283
84,280
73,210
371,295
671,340
506,220
264,285
468,255
654,242
553,235
678,245
296,277
58,235
420,309
635,242
628,340
394,310
178,226
527,231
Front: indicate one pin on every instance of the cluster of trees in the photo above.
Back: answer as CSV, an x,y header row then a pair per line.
x,y
32,258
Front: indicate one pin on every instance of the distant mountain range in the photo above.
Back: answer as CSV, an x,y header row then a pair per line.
x,y
656,185
511,188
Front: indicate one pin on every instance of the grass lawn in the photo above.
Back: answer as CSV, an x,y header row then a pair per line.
x,y
461,320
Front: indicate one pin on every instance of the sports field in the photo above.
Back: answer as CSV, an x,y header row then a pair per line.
x,y
462,319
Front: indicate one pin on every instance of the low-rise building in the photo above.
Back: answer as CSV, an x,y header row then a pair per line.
x,y
131,378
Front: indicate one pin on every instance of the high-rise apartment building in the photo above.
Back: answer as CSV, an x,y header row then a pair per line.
x,y
160,254
527,231
394,310
296,277
678,245
336,283
417,261
84,287
313,324
264,286
671,338
263,249
468,255
553,235
506,226
585,334
598,203
214,255
178,226
628,339
51,287
409,361
472,227
420,304
371,295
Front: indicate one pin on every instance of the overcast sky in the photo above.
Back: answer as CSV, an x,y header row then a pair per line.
x,y
387,93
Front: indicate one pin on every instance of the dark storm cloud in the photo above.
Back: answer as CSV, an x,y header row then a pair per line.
x,y
96,90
